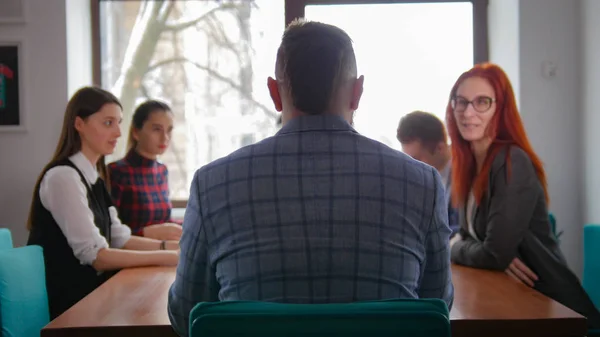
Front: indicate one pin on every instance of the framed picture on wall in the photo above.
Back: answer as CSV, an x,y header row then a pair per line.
x,y
11,103
12,11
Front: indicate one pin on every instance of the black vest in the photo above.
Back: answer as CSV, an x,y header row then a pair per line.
x,y
67,280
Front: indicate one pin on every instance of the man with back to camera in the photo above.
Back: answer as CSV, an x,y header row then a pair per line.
x,y
316,213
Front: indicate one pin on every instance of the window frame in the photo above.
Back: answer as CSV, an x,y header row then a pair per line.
x,y
295,9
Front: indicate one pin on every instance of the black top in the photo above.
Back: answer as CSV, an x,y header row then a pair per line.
x,y
513,204
67,280
512,221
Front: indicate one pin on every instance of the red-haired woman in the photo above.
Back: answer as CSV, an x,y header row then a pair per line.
x,y
499,187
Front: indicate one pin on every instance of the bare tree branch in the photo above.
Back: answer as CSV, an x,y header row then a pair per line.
x,y
182,79
162,13
218,76
184,25
219,37
141,46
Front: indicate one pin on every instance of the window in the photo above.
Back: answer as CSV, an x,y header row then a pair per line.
x,y
210,59
410,53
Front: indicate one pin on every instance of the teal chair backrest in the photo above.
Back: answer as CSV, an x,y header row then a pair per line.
x,y
591,262
5,239
23,298
397,318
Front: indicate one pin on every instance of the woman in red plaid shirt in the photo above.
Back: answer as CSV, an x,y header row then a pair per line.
x,y
139,183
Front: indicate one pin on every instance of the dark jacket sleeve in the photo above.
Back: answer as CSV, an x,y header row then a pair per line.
x,y
512,201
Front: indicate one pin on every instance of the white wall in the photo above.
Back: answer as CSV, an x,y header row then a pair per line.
x,y
44,72
590,11
57,61
503,31
551,108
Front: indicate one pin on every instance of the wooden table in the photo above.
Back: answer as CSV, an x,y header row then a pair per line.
x,y
134,303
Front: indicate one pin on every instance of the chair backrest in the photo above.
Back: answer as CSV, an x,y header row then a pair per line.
x,y
23,298
5,239
398,318
591,262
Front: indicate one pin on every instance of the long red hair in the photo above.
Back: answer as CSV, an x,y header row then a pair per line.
x,y
505,129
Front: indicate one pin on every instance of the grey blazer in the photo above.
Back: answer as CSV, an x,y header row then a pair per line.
x,y
512,221
512,207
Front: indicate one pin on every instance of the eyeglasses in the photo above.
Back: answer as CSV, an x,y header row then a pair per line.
x,y
479,103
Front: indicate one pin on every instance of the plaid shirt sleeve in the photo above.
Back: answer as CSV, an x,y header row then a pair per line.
x,y
436,281
196,279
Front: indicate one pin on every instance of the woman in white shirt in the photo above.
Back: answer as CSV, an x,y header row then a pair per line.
x,y
72,216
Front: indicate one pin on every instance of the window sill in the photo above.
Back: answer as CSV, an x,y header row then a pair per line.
x,y
177,213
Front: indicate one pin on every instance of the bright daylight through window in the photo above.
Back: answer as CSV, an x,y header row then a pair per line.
x,y
209,60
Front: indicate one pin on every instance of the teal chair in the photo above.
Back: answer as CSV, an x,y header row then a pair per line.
x,y
23,298
591,266
5,239
591,262
397,318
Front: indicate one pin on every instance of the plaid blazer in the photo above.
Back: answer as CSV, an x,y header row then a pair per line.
x,y
315,214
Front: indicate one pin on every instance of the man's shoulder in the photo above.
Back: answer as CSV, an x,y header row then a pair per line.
x,y
397,163
371,155
237,158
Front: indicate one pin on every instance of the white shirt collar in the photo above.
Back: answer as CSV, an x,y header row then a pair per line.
x,y
85,166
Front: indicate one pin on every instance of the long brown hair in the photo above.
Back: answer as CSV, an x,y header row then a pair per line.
x,y
84,103
505,129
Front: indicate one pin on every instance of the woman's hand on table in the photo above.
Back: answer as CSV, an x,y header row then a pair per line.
x,y
166,231
172,245
518,270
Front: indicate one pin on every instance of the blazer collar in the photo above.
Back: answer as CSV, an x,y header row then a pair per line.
x,y
326,122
